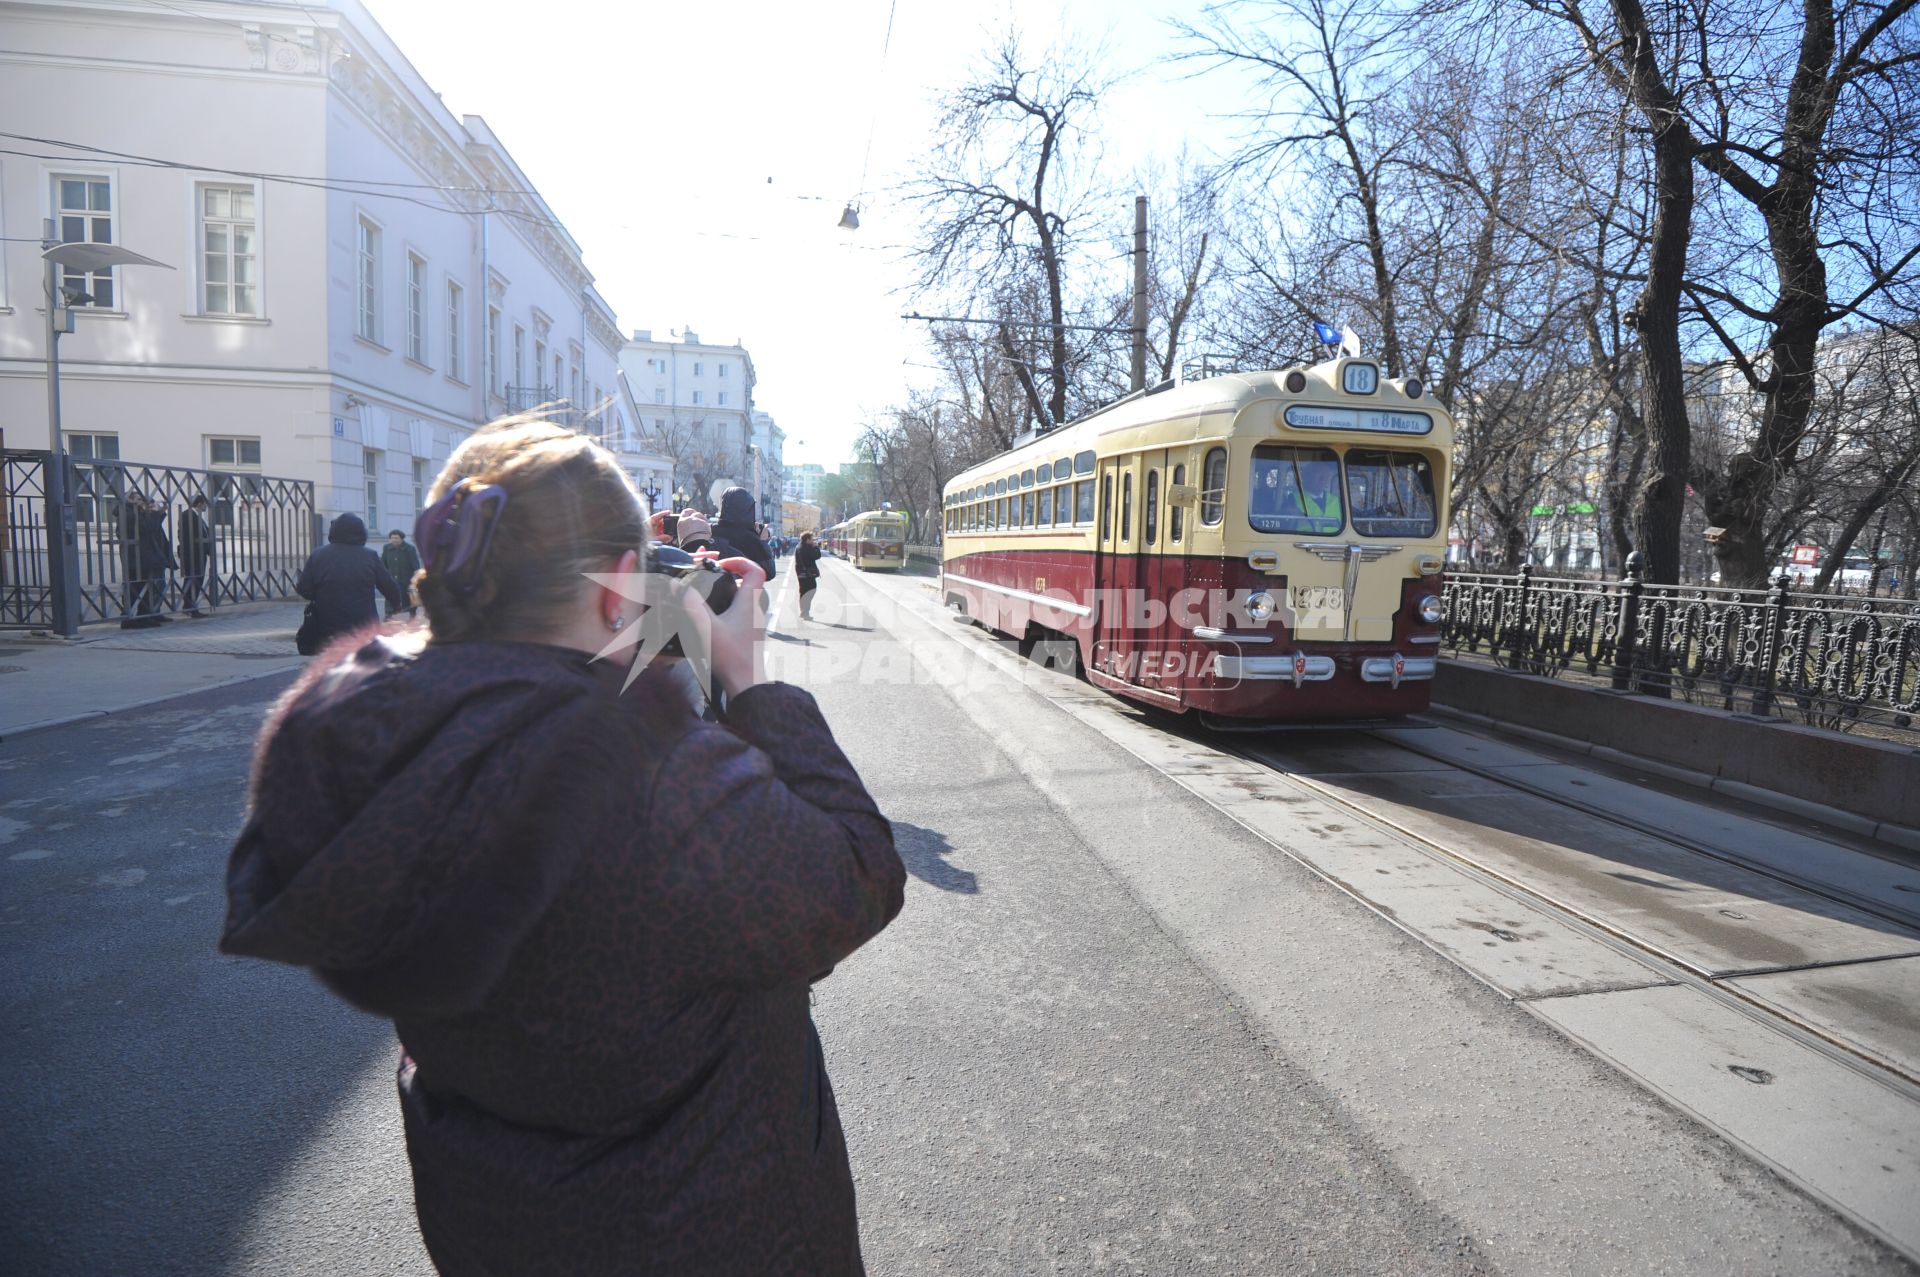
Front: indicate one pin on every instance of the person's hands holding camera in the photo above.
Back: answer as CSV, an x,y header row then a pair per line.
x,y
734,636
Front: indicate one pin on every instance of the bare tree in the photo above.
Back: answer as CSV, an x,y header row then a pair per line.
x,y
1007,200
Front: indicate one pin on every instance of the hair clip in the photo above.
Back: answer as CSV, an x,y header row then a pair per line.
x,y
455,532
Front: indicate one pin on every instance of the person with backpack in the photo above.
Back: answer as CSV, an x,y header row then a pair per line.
x,y
339,581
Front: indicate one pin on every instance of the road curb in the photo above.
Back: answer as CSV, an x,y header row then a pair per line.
x,y
48,724
1851,822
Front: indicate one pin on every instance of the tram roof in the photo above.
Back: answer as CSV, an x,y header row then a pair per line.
x,y
1226,393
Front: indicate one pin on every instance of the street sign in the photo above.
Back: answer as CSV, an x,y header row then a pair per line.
x,y
1805,556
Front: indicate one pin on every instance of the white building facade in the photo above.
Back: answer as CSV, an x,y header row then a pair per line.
x,y
694,401
349,322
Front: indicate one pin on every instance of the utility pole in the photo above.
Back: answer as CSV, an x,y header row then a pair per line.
x,y
1140,292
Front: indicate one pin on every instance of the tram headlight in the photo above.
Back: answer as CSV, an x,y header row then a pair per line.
x,y
1260,607
1430,609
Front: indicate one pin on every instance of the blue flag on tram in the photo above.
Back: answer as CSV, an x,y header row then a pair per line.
x,y
1327,333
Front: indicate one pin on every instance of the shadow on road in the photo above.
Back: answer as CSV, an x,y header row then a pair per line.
x,y
922,850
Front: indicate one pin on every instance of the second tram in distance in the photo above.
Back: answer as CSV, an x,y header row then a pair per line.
x,y
1258,548
875,539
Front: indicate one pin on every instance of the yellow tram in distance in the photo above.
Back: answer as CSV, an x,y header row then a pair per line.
x,y
1258,548
875,540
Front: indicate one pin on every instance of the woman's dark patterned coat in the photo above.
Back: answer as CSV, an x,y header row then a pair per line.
x,y
593,920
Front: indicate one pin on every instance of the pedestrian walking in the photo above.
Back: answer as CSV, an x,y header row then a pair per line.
x,y
592,918
806,570
339,582
734,535
195,542
147,554
402,562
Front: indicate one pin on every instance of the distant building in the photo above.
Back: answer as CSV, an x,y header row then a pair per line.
x,y
800,516
350,327
803,482
695,402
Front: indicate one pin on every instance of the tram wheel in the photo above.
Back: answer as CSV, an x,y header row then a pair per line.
x,y
1053,652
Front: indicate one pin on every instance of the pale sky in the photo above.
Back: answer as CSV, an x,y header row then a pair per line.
x,y
652,130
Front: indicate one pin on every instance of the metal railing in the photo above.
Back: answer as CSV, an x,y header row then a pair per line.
x,y
1844,662
260,531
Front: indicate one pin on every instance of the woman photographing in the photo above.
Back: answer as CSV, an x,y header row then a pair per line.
x,y
592,918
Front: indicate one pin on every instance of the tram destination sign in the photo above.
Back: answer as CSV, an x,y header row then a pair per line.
x,y
1313,417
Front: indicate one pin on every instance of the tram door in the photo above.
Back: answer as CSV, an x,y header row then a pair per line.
x,y
1136,575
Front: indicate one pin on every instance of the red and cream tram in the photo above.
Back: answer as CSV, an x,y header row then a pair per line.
x,y
872,540
1261,547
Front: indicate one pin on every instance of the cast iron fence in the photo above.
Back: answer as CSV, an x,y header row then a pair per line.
x,y
1832,660
262,530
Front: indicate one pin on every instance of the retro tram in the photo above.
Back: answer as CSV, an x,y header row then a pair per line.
x,y
875,539
1259,548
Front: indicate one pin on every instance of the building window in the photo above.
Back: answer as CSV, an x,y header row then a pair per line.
x,y
722,398
493,350
559,377
573,387
369,280
696,396
416,308
92,497
456,352
539,357
229,251
230,453
659,396
84,207
370,468
698,368
519,355
419,487
722,373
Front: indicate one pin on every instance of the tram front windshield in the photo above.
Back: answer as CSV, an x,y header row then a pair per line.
x,y
886,532
1299,490
1296,490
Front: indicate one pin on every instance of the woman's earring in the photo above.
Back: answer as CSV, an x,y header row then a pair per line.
x,y
617,623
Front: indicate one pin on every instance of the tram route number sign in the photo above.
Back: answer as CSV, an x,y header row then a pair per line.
x,y
1313,417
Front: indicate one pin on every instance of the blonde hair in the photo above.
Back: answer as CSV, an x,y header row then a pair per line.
x,y
570,508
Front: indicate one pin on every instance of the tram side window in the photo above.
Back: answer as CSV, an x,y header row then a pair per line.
x,y
1392,493
1026,509
1213,488
1152,502
1083,503
1126,506
1046,507
1106,506
1176,514
1083,462
1295,489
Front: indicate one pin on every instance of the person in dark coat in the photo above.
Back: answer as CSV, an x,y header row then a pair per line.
x,y
593,918
806,570
341,578
402,562
196,555
734,535
148,556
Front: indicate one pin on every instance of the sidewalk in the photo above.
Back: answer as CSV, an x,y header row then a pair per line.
x,y
47,682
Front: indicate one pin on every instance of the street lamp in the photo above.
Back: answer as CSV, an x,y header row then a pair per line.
x,y
680,498
63,548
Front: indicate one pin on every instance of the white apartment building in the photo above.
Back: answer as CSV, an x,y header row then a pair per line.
x,y
803,482
695,403
360,281
769,468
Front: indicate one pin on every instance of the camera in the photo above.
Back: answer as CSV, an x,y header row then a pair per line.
x,y
709,580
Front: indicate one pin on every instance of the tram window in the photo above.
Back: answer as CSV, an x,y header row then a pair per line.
x,y
1046,507
1026,478
1293,489
1152,503
1392,493
1106,506
1063,468
1213,488
1026,509
1083,503
1043,473
1005,512
1126,506
1176,515
1083,462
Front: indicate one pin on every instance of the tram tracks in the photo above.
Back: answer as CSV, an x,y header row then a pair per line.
x,y
1664,964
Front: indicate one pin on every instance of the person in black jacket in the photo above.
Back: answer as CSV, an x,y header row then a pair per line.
x,y
402,562
806,569
196,555
734,536
340,579
149,557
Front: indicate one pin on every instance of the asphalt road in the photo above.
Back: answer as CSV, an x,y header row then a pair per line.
x,y
1052,1062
